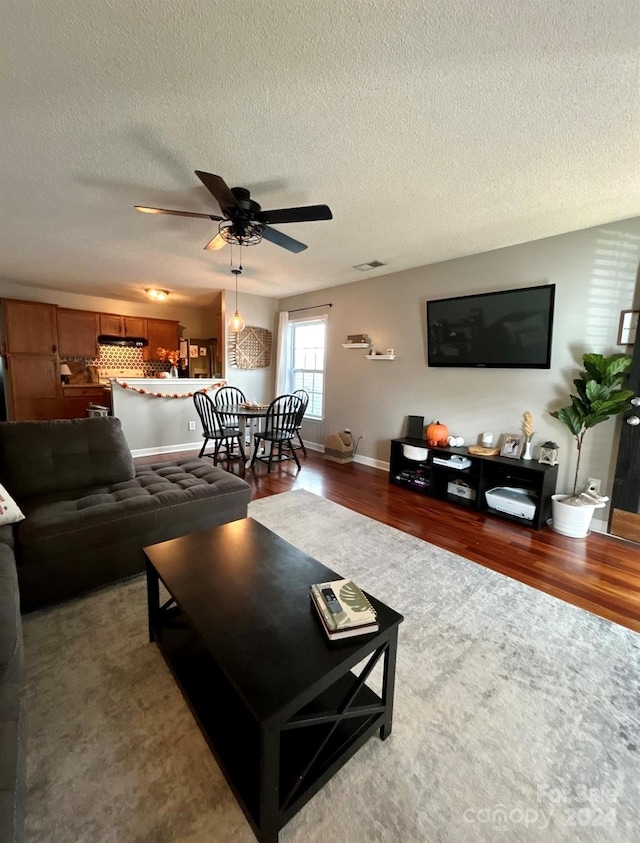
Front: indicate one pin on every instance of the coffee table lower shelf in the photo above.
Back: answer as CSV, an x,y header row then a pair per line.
x,y
309,746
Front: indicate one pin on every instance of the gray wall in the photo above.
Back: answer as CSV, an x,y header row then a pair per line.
x,y
595,271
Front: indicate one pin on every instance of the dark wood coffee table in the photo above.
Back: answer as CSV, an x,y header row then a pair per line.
x,y
278,703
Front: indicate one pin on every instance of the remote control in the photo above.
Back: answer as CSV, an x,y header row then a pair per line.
x,y
332,601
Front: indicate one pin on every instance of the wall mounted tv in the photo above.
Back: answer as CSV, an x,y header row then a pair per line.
x,y
510,329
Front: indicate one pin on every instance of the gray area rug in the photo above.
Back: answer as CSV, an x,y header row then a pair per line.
x,y
516,715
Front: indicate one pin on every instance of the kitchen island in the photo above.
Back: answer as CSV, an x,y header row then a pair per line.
x,y
158,414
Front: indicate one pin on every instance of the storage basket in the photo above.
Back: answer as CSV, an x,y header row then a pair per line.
x,y
338,447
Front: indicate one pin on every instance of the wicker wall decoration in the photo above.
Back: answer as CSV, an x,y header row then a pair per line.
x,y
251,349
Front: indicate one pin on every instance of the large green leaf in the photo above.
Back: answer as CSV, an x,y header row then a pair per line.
x,y
570,418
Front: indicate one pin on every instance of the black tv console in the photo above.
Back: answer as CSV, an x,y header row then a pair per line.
x,y
468,486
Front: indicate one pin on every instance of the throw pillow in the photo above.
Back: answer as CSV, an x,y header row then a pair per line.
x,y
10,512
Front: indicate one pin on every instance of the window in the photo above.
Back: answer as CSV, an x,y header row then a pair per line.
x,y
306,356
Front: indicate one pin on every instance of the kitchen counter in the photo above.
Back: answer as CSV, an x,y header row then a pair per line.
x,y
154,425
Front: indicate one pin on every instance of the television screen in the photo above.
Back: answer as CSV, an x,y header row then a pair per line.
x,y
510,329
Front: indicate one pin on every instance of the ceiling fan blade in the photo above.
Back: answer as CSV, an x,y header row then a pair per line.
x,y
283,240
220,190
144,210
309,213
217,243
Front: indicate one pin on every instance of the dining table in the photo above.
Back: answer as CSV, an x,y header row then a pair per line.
x,y
249,416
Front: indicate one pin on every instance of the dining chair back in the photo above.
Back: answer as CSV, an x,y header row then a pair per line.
x,y
228,396
214,430
303,395
279,431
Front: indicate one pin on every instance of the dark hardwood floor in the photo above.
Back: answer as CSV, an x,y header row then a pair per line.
x,y
599,573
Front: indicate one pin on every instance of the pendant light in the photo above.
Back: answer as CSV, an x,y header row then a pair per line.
x,y
236,323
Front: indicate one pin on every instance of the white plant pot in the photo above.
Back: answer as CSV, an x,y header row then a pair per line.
x,y
572,521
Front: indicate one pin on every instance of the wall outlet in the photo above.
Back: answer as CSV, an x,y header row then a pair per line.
x,y
593,484
192,425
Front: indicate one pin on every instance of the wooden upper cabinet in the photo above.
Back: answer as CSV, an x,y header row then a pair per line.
x,y
161,333
77,330
111,324
30,327
134,326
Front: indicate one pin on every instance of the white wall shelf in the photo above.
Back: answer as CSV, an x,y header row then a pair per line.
x,y
355,345
380,357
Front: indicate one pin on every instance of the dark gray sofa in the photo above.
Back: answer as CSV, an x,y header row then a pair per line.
x,y
12,760
89,512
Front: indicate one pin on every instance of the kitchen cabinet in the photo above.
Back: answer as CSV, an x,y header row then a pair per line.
x,y
77,333
161,333
29,327
134,326
122,326
32,387
76,399
111,324
32,367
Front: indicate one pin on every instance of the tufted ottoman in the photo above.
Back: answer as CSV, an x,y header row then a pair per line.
x,y
80,535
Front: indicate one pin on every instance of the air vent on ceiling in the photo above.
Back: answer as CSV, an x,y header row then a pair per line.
x,y
363,267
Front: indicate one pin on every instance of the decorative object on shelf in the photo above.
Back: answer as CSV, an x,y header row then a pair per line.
x,y
357,339
415,427
390,352
378,355
481,451
150,394
628,327
455,441
548,453
437,434
251,348
600,394
487,439
512,445
527,428
171,357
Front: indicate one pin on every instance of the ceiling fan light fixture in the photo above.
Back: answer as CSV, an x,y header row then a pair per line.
x,y
157,295
240,234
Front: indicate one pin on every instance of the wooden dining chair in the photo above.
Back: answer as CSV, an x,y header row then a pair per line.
x,y
228,396
214,430
279,431
303,395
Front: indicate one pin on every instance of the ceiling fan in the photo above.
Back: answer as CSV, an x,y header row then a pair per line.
x,y
243,222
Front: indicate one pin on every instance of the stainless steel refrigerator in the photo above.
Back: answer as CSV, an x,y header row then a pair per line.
x,y
200,356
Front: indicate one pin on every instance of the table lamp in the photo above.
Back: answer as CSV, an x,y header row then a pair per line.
x,y
65,372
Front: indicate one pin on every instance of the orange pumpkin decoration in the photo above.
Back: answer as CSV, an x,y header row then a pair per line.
x,y
437,434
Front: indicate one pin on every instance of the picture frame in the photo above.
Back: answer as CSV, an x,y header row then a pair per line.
x,y
512,445
628,326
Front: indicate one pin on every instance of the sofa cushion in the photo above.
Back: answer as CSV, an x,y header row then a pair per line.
x,y
74,541
44,457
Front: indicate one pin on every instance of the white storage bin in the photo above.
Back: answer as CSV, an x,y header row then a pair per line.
x,y
411,452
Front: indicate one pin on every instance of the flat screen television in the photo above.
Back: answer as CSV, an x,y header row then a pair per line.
x,y
509,329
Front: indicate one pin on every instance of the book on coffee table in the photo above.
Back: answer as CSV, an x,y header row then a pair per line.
x,y
356,615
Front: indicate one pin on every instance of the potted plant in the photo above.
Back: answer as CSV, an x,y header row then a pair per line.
x,y
600,395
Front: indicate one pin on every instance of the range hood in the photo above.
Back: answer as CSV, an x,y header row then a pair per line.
x,y
123,342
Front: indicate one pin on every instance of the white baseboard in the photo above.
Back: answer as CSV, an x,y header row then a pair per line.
x,y
166,449
383,466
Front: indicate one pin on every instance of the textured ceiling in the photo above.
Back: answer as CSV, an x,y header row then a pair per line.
x,y
432,129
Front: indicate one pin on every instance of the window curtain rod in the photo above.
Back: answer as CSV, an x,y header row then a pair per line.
x,y
311,307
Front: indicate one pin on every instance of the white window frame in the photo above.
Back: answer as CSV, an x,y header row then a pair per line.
x,y
291,371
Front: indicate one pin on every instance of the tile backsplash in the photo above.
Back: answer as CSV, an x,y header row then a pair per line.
x,y
114,357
